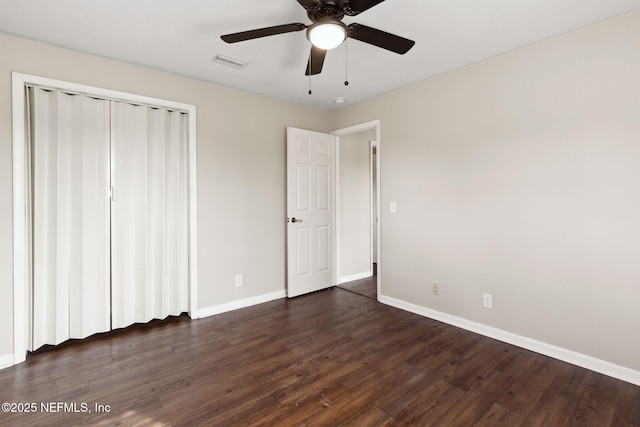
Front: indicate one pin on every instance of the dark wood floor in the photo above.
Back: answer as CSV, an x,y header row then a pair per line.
x,y
367,287
329,358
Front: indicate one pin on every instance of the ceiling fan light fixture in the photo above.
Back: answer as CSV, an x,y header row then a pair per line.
x,y
327,34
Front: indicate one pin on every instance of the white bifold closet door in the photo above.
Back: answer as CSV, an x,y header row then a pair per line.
x,y
150,215
101,262
69,213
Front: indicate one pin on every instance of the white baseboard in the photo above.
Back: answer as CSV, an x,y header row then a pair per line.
x,y
6,360
243,303
569,356
353,277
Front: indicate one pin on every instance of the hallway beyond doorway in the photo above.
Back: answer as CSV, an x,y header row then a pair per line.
x,y
367,287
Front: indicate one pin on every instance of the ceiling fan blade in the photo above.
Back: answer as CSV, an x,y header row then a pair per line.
x,y
262,32
315,62
358,6
380,38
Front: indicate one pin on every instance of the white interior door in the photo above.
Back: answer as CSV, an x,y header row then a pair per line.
x,y
310,211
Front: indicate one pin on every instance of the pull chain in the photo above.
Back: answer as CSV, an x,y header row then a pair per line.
x,y
346,62
310,92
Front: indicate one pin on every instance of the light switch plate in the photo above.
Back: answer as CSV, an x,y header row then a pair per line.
x,y
487,300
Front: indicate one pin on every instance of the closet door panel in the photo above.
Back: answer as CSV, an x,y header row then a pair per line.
x,y
149,228
129,213
92,304
69,211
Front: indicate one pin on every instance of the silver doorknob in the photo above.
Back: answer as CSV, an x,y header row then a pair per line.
x,y
295,220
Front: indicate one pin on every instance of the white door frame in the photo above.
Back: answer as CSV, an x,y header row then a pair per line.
x,y
373,208
374,124
20,295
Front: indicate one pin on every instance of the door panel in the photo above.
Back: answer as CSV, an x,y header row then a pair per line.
x,y
323,191
303,204
150,214
324,248
70,216
310,211
303,241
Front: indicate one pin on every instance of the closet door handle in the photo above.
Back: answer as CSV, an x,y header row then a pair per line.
x,y
295,220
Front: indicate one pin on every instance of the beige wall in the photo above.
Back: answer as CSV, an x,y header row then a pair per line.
x,y
355,203
241,168
520,176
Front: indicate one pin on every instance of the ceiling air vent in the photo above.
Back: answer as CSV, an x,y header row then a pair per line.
x,y
229,61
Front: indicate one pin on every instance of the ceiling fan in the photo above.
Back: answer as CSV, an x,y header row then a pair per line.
x,y
327,30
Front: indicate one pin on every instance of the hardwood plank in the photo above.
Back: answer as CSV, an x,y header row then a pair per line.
x,y
329,358
498,416
627,410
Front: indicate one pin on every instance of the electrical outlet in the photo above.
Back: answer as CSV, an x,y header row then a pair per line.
x,y
436,289
487,300
393,207
238,279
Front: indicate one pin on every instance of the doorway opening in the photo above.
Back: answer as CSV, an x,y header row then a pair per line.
x,y
357,209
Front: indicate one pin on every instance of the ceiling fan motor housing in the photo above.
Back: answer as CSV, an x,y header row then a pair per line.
x,y
328,9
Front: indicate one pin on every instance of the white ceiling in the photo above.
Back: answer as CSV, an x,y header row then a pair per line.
x,y
182,36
